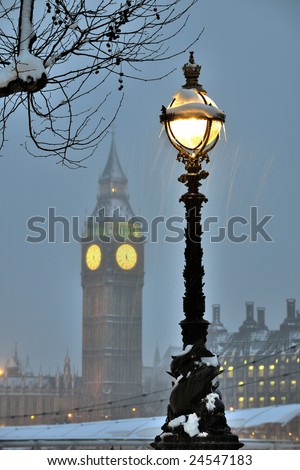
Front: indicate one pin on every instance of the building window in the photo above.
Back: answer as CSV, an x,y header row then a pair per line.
x,y
283,400
251,401
230,372
261,400
272,399
271,369
261,370
241,402
272,385
282,385
250,371
293,385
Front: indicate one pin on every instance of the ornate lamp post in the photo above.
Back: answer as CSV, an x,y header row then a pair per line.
x,y
196,415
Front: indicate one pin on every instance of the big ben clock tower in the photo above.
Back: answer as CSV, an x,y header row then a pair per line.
x,y
112,278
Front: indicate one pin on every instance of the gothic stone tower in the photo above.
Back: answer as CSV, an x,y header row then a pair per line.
x,y
112,281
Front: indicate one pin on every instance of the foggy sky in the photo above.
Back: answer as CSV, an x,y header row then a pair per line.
x,y
249,54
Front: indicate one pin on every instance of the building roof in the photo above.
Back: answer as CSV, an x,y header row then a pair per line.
x,y
254,417
253,337
134,430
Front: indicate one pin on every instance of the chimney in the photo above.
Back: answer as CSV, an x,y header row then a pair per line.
x,y
291,309
216,313
261,317
250,311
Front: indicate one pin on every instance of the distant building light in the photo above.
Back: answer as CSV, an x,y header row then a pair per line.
x,y
272,367
272,398
32,417
241,383
241,399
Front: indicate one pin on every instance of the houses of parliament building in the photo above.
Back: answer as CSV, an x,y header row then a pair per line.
x,y
112,278
260,367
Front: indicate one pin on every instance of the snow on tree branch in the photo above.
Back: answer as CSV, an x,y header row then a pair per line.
x,y
58,55
26,72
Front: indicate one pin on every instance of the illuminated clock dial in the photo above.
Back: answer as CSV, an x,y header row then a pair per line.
x,y
126,256
93,257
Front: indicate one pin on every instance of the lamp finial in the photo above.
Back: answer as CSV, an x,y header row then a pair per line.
x,y
191,72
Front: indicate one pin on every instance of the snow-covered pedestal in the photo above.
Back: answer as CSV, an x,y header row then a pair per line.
x,y
196,415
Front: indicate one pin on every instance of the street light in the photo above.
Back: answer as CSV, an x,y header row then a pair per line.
x,y
196,414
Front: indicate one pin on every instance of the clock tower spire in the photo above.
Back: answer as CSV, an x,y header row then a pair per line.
x,y
112,187
112,278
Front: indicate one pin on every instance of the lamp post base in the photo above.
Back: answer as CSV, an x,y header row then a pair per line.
x,y
196,414
210,442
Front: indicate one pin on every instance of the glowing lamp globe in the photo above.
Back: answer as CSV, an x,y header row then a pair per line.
x,y
193,121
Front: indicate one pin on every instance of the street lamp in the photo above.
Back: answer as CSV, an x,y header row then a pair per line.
x,y
196,414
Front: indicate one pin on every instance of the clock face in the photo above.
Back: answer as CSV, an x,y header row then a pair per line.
x,y
93,257
126,256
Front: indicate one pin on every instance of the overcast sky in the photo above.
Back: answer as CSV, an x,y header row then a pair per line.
x,y
249,54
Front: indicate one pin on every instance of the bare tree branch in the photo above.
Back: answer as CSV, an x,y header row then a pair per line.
x,y
55,53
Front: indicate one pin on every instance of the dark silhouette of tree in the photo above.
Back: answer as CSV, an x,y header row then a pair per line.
x,y
56,59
